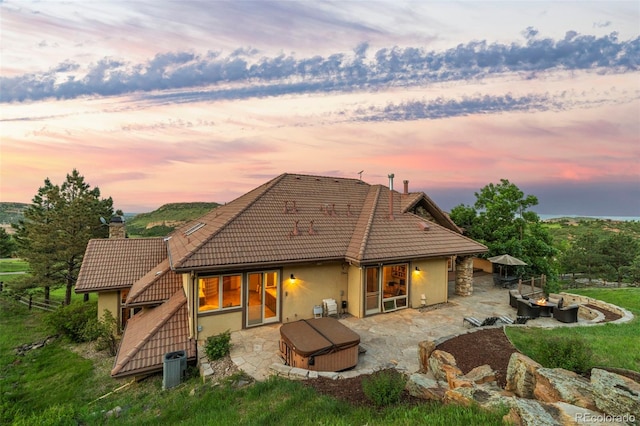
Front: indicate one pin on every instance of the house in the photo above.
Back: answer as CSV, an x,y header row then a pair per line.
x,y
272,256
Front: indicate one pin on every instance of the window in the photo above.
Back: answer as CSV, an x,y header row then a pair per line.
x,y
219,292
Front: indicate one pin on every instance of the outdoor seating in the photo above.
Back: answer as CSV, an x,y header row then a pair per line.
x,y
567,314
526,309
514,295
521,320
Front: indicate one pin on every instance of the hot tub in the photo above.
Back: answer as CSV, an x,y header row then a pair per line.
x,y
320,344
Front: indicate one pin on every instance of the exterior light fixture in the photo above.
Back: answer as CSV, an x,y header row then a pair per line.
x,y
292,279
417,269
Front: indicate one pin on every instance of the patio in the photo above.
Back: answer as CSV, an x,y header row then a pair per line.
x,y
390,340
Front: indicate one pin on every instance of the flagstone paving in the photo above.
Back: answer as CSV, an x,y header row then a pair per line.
x,y
390,339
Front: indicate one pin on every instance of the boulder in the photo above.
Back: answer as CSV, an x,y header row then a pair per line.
x,y
568,414
481,374
488,396
424,352
438,359
424,387
614,394
452,375
521,375
557,384
529,412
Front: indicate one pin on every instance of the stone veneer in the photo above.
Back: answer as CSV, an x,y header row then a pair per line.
x,y
464,276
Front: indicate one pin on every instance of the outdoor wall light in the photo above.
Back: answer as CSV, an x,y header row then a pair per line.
x,y
417,269
292,279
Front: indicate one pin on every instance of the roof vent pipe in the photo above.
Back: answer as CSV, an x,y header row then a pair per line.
x,y
391,196
406,186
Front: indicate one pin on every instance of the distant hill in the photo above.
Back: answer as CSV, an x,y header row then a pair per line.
x,y
165,219
11,213
157,223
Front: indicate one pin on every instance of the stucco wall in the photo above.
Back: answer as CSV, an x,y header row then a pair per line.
x,y
313,283
355,293
431,280
109,300
216,324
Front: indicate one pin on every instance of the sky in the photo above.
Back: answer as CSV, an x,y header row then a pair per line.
x,y
159,101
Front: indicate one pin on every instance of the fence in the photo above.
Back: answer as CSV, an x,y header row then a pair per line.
x,y
45,305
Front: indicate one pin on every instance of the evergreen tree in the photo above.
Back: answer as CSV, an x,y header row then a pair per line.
x,y
56,228
7,245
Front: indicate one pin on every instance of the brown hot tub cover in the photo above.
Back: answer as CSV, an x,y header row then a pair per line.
x,y
319,344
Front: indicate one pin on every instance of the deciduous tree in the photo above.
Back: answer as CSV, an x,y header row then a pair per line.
x,y
56,228
500,219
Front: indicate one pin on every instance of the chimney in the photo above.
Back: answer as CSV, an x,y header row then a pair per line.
x,y
406,186
116,227
391,196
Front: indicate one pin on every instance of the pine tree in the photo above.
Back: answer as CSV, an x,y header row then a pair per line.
x,y
56,228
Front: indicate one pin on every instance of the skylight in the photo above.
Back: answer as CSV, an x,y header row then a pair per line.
x,y
194,228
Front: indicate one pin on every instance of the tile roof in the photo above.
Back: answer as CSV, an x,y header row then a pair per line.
x,y
158,285
151,334
297,218
115,263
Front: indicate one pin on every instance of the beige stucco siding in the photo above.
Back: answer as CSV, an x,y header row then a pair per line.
x,y
312,284
216,324
355,292
431,280
109,300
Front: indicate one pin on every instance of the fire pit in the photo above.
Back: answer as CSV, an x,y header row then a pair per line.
x,y
546,307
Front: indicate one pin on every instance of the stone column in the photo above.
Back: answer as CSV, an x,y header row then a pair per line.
x,y
464,276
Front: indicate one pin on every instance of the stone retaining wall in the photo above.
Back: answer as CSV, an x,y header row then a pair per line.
x,y
570,298
534,395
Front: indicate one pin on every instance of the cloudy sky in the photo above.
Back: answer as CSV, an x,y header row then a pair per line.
x,y
174,101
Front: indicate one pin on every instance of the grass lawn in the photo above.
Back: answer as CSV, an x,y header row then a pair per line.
x,y
13,265
57,386
613,345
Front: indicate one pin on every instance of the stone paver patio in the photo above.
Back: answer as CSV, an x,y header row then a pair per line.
x,y
389,339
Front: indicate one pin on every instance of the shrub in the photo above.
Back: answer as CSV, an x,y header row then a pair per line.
x,y
218,346
74,321
570,353
384,387
104,332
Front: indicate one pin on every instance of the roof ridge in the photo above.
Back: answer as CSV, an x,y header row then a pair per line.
x,y
367,230
267,186
164,317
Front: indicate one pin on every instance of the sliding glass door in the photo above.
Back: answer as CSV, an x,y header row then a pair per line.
x,y
263,298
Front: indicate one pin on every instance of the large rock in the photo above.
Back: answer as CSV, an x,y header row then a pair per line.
x,y
521,375
557,384
481,374
425,387
424,352
488,396
568,414
529,412
437,360
614,394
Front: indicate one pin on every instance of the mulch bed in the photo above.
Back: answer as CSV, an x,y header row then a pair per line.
x,y
608,315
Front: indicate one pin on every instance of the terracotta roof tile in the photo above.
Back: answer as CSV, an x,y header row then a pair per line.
x,y
264,226
151,334
111,264
156,286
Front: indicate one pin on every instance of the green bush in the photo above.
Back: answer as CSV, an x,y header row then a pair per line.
x,y
570,353
104,332
384,387
75,321
218,346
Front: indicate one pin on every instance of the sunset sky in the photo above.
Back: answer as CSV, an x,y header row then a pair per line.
x,y
169,101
